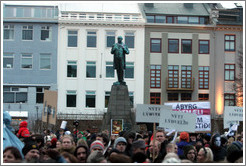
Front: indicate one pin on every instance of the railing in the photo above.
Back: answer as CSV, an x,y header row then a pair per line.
x,y
191,88
101,17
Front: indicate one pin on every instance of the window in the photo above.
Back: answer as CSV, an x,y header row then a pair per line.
x,y
129,71
186,46
155,76
150,19
229,72
110,38
155,98
109,17
126,17
171,19
185,96
91,69
45,61
100,16
71,69
8,33
182,20
46,33
8,60
129,39
27,32
204,77
203,46
118,17
26,61
172,96
155,45
160,19
173,45
90,99
40,94
186,76
131,96
9,12
107,95
173,76
27,12
14,94
229,99
193,20
109,70
91,39
19,12
72,38
203,96
230,42
71,98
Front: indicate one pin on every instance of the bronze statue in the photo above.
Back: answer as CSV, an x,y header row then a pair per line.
x,y
119,50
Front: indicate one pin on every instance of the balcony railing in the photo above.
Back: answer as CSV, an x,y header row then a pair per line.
x,y
178,88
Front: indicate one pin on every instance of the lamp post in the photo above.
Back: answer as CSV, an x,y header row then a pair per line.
x,y
37,120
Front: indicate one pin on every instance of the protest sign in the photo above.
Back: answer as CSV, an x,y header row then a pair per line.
x,y
116,126
178,120
232,115
63,124
149,113
201,109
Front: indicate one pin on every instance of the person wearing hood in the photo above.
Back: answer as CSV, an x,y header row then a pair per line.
x,y
183,141
23,130
218,151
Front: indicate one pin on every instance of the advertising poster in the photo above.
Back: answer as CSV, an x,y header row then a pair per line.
x,y
116,126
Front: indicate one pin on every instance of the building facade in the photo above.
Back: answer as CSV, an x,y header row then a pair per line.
x,y
29,59
85,62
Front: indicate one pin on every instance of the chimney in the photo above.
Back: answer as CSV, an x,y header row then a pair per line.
x,y
188,5
149,4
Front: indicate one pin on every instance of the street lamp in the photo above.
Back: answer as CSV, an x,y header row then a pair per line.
x,y
37,107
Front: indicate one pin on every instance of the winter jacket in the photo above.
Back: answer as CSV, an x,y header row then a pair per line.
x,y
180,145
23,130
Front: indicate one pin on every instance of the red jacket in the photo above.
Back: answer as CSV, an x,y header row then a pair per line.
x,y
23,130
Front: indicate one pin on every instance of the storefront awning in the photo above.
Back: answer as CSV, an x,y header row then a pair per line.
x,y
18,113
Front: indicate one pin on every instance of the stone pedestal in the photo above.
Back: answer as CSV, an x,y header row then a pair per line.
x,y
119,108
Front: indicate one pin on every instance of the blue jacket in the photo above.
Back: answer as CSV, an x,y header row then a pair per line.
x,y
180,145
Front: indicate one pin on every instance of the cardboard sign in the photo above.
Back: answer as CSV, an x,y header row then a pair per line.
x,y
178,120
148,113
232,115
63,124
201,109
116,126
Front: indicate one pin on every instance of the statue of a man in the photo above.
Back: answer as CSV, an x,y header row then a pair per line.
x,y
119,50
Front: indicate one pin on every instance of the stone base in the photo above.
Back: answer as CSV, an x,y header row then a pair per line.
x,y
119,108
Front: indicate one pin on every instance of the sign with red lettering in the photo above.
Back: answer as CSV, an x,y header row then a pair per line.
x,y
202,109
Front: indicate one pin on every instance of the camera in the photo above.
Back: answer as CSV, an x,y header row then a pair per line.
x,y
76,123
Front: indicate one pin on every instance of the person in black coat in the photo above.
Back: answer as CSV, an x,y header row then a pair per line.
x,y
219,152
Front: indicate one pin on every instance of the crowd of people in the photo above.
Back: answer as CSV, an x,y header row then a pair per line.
x,y
75,146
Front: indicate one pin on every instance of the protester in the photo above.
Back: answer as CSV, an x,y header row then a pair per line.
x,y
120,144
161,137
153,152
31,152
171,148
183,141
205,155
11,155
81,152
96,157
119,158
171,158
23,130
130,137
97,146
218,151
190,153
234,151
138,146
69,157
67,144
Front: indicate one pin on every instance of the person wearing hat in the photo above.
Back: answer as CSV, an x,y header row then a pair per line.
x,y
218,151
234,151
183,141
23,130
97,146
120,144
138,146
31,152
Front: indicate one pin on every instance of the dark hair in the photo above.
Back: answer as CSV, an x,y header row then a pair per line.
x,y
71,157
139,157
104,137
82,146
14,151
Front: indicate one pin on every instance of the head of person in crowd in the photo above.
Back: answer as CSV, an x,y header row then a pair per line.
x,y
184,136
67,132
154,147
58,144
129,136
205,155
96,157
190,153
82,142
80,135
103,138
120,144
69,157
160,136
206,139
53,142
230,140
171,158
224,141
97,146
138,146
113,152
140,157
67,142
11,155
119,158
193,138
234,151
215,141
171,148
31,152
81,153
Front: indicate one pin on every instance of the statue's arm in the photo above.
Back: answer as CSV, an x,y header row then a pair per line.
x,y
126,49
113,49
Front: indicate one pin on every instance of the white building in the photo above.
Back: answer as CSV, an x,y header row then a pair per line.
x,y
85,64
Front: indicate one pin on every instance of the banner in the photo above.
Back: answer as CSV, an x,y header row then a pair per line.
x,y
232,115
148,113
201,109
178,120
116,126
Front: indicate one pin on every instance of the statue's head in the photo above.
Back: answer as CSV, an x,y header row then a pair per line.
x,y
120,38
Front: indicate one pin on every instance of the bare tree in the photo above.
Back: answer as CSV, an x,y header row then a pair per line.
x,y
238,85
